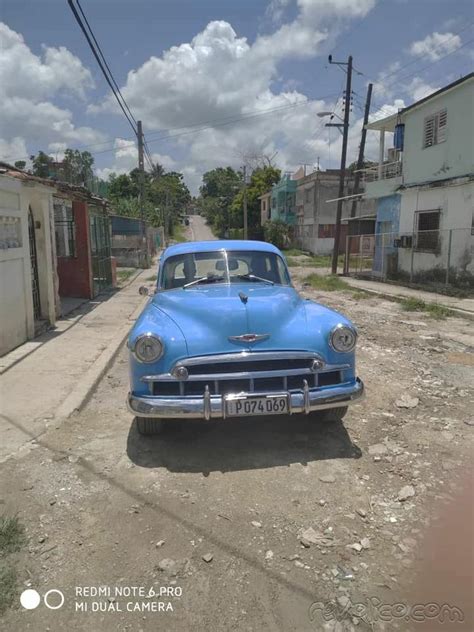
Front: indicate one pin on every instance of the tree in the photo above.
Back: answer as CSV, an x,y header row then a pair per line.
x,y
219,188
165,196
169,196
77,166
365,165
122,186
157,171
42,165
20,164
261,181
277,233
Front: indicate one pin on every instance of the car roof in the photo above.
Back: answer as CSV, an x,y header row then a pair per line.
x,y
218,244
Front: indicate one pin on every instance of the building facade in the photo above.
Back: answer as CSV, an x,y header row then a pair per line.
x,y
283,201
423,186
28,277
316,216
265,207
54,243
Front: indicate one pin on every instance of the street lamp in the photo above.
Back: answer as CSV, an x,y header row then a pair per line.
x,y
340,126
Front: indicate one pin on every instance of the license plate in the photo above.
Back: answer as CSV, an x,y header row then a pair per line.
x,y
249,406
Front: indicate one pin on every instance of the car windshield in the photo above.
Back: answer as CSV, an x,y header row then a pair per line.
x,y
232,266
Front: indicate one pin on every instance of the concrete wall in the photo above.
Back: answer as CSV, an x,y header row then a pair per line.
x,y
455,156
456,204
16,305
316,216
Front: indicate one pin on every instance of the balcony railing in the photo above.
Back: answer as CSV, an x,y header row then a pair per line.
x,y
389,170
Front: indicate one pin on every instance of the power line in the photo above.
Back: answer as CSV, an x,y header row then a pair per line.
x,y
215,123
454,35
101,66
432,63
105,61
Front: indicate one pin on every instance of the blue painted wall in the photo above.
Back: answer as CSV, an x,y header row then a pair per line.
x,y
388,210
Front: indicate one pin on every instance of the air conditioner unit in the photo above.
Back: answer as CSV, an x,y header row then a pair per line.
x,y
393,154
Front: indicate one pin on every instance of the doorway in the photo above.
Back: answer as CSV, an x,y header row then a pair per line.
x,y
34,267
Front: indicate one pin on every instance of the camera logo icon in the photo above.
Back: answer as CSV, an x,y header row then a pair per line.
x,y
31,599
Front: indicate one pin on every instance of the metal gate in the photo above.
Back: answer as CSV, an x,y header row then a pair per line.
x,y
34,267
99,223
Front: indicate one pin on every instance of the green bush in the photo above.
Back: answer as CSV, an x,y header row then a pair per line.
x,y
277,233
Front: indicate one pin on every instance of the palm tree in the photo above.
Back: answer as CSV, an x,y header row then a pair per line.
x,y
157,171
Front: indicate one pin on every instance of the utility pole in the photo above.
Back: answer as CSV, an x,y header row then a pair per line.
x,y
141,187
345,135
360,159
245,203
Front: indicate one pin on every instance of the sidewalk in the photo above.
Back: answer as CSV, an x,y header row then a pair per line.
x,y
461,306
63,365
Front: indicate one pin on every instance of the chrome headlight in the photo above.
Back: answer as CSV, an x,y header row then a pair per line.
x,y
343,338
148,348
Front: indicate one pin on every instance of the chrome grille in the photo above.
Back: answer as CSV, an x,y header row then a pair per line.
x,y
246,372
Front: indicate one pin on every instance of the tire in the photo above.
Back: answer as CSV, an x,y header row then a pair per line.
x,y
333,414
147,426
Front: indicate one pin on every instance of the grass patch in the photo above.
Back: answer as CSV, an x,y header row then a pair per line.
x,y
359,295
12,534
123,275
153,277
12,537
294,252
295,263
178,233
316,261
8,584
439,312
327,283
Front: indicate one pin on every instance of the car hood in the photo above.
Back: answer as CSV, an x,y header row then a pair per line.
x,y
208,315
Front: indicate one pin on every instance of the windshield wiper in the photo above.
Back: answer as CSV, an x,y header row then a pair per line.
x,y
253,277
213,278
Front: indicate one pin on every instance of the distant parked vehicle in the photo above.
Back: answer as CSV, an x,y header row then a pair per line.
x,y
227,335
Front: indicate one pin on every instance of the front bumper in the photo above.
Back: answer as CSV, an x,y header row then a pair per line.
x,y
213,406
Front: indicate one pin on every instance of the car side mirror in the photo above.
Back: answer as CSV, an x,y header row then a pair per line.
x,y
143,291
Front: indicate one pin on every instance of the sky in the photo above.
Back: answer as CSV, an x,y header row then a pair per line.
x,y
219,82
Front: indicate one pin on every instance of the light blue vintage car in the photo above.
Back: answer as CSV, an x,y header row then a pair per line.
x,y
227,335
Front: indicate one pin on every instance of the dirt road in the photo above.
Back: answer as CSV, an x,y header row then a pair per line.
x,y
199,230
218,509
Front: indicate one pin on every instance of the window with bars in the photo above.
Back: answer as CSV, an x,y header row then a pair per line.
x,y
427,230
435,129
64,228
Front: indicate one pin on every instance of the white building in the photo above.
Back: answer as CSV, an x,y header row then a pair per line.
x,y
28,277
424,186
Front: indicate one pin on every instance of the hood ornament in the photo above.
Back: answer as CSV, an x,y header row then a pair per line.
x,y
249,338
243,297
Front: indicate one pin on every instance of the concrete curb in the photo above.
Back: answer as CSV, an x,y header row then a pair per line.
x,y
78,398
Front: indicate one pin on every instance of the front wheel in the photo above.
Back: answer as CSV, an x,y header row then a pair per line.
x,y
147,426
332,414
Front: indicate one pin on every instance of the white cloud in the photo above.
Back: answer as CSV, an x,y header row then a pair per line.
x,y
219,77
276,9
28,85
14,148
26,75
126,158
419,89
436,45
